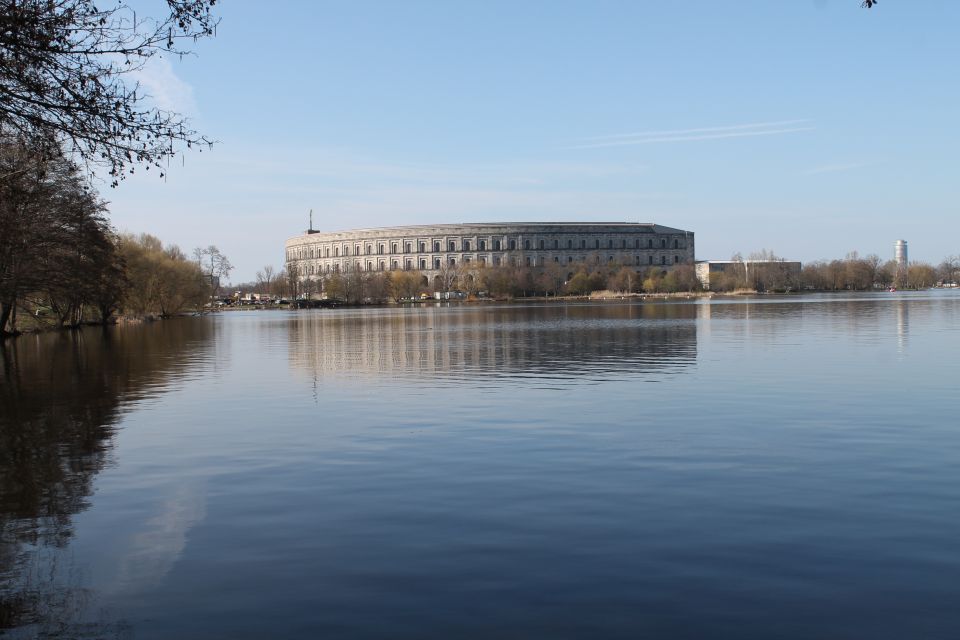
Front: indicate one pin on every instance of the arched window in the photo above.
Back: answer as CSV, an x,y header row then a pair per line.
x,y
513,245
453,262
423,247
466,245
394,265
496,245
436,263
676,243
336,251
453,246
569,244
676,259
346,251
649,243
649,259
423,264
369,249
583,243
436,246
663,243
663,259
407,248
483,245
596,243
393,247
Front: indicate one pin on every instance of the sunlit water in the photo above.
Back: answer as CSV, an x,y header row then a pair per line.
x,y
771,468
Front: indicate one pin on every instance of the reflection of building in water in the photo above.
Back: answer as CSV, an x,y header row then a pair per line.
x,y
548,341
432,248
903,324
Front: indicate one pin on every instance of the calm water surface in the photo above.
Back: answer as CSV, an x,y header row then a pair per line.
x,y
772,468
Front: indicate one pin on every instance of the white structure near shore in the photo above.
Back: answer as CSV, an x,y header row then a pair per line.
x,y
750,272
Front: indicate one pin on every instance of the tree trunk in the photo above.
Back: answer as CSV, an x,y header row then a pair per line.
x,y
5,308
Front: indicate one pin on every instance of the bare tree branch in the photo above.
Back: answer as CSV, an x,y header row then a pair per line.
x,y
66,79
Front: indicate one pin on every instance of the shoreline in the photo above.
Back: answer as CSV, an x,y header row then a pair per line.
x,y
597,296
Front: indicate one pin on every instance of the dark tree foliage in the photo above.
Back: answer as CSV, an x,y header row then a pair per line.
x,y
57,250
65,78
868,4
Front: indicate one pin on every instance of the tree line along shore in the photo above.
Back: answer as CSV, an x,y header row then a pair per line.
x,y
61,263
473,280
63,266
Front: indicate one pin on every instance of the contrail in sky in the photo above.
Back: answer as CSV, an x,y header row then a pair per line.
x,y
702,133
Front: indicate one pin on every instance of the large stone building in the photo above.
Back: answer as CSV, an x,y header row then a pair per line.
x,y
431,249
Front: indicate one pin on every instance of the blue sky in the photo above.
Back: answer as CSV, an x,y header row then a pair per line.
x,y
808,127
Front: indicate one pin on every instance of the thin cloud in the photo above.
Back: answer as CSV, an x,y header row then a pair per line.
x,y
164,88
683,132
837,167
698,134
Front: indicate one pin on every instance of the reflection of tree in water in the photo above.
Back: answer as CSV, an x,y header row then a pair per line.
x,y
60,400
555,342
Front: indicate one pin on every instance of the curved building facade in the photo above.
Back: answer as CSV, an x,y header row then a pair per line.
x,y
432,248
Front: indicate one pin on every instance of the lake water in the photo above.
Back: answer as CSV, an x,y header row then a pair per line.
x,y
765,468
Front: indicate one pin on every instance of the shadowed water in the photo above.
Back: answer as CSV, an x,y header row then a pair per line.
x,y
776,467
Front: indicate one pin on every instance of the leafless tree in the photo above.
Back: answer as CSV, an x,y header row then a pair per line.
x,y
214,265
57,251
265,279
67,78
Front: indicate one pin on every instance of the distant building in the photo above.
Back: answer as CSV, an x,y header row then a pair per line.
x,y
434,249
754,274
900,254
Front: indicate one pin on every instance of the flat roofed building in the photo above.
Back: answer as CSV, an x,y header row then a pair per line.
x,y
765,273
433,248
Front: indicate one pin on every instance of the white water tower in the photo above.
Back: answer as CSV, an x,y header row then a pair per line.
x,y
900,254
